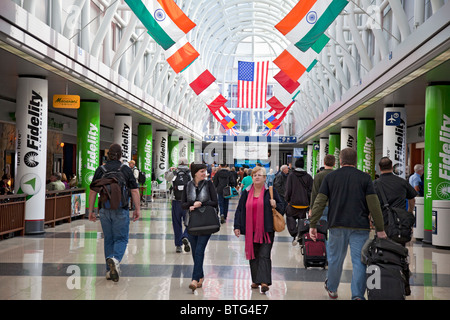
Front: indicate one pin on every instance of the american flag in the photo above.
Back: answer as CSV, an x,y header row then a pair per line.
x,y
252,84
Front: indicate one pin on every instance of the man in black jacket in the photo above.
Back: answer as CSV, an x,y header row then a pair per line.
x,y
279,184
221,179
298,194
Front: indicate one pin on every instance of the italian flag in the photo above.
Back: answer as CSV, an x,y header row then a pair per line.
x,y
164,20
308,20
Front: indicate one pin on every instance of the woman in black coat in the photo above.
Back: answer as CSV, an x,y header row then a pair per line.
x,y
254,219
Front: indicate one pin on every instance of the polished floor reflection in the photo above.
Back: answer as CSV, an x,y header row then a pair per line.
x,y
67,262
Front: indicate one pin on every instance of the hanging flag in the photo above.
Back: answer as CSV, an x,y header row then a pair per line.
x,y
221,113
294,62
252,84
308,20
275,117
286,82
198,77
181,55
163,19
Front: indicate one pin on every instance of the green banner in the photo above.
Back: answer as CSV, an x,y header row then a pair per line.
x,y
365,146
88,143
437,151
145,154
334,147
315,158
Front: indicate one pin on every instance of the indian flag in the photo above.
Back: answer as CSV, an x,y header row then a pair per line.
x,y
308,20
164,20
294,62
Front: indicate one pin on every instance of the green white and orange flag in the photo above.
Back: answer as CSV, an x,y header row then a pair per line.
x,y
181,55
308,20
164,20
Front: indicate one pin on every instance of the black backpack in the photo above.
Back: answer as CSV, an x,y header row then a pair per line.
x,y
179,182
141,178
118,177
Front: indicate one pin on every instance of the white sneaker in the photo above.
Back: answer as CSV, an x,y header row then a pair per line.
x,y
114,270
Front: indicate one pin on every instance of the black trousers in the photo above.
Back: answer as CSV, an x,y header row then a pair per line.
x,y
292,217
261,266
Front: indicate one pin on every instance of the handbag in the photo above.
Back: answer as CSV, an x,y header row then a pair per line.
x,y
278,221
400,221
203,220
227,192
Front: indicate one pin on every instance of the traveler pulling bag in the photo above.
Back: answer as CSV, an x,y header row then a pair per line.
x,y
314,252
203,220
278,221
400,221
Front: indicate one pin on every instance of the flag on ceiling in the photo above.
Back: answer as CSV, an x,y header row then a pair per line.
x,y
278,113
198,77
286,82
163,19
308,20
252,84
181,55
294,62
221,113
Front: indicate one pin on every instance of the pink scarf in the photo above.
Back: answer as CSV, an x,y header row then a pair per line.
x,y
258,235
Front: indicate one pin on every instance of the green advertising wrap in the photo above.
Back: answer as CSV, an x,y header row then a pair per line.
x,y
173,151
144,155
315,158
437,151
88,143
334,147
365,146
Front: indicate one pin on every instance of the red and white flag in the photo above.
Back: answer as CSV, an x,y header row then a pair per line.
x,y
252,84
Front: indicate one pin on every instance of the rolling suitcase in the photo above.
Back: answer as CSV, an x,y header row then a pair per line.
x,y
314,252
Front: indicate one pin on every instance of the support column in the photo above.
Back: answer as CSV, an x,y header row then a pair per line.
x,y
323,151
31,149
88,143
174,151
366,146
183,149
334,147
123,134
437,151
161,152
394,138
309,159
144,156
348,138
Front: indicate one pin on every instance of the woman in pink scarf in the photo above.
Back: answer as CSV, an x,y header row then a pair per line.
x,y
254,219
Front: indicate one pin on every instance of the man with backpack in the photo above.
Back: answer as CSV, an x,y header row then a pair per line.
x,y
179,177
223,178
298,194
114,181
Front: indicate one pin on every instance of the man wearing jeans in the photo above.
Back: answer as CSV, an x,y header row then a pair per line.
x,y
351,198
115,222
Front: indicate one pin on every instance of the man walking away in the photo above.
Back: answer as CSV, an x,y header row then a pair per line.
x,y
279,184
328,162
114,181
396,189
415,180
221,179
298,194
180,177
351,198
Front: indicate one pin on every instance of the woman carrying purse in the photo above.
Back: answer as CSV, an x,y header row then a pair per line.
x,y
254,219
197,193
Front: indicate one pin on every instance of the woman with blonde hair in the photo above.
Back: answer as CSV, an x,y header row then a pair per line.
x,y
254,219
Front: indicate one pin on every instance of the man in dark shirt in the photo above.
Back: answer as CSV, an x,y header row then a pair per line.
x,y
115,223
328,162
221,179
396,189
351,198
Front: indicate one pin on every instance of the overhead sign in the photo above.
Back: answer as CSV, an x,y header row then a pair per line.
x,y
64,101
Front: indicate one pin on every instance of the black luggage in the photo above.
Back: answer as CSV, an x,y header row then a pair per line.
x,y
387,269
314,252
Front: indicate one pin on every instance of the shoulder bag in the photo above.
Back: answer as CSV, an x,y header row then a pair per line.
x,y
203,220
278,221
400,222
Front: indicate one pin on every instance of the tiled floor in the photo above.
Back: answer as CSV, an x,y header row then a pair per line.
x,y
47,266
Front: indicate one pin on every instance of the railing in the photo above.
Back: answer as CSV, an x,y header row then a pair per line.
x,y
58,205
12,213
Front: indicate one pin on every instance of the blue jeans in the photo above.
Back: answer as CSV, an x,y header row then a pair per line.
x,y
339,240
116,226
198,246
178,216
223,205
